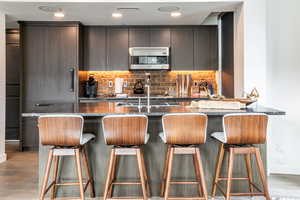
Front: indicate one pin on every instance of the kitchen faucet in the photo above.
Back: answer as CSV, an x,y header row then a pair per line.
x,y
147,85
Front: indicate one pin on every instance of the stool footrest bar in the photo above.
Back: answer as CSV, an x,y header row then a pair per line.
x,y
185,182
126,183
235,179
187,198
248,194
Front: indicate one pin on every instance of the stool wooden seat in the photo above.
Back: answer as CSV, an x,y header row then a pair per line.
x,y
183,133
127,133
64,133
241,132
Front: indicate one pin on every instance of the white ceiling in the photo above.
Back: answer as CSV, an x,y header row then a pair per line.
x,y
100,13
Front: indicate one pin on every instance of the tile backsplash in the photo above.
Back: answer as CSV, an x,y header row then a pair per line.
x,y
161,81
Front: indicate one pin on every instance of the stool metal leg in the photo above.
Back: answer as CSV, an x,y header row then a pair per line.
x,y
88,173
262,174
169,171
249,171
46,177
201,173
113,175
109,174
79,172
55,176
141,171
145,173
218,169
163,184
198,176
229,176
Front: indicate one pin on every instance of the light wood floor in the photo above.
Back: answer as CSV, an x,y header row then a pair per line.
x,y
19,179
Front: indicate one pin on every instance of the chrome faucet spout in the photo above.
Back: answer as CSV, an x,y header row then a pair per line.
x,y
148,91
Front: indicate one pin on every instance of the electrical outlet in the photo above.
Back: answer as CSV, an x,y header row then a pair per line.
x,y
110,83
195,83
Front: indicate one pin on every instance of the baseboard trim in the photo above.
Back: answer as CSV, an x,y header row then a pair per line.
x,y
3,157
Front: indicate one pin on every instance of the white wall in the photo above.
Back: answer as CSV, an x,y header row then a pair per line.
x,y
254,15
2,87
283,80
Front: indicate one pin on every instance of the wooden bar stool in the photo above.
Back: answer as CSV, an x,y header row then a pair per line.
x,y
241,132
64,132
183,133
127,133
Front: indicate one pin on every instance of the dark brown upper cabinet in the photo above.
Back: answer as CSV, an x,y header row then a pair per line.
x,y
139,37
160,37
117,48
182,48
206,48
149,37
95,57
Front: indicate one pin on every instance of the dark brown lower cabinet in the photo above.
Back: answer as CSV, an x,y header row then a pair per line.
x,y
51,61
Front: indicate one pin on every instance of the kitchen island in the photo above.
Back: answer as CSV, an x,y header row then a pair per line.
x,y
155,150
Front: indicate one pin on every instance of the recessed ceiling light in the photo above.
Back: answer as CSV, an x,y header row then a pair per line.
x,y
59,13
168,9
176,14
117,15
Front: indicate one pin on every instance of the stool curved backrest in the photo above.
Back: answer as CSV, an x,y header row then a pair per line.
x,y
185,128
125,130
245,128
60,130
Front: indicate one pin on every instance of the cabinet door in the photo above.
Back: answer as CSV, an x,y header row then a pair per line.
x,y
95,48
206,48
160,37
139,37
13,64
182,49
50,64
117,48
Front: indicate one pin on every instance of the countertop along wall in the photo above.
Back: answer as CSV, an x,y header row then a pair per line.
x,y
2,87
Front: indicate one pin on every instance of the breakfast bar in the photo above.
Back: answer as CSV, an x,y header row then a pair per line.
x,y
154,150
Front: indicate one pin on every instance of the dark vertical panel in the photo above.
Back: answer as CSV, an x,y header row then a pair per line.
x,y
206,48
139,37
160,37
13,66
94,48
117,48
182,49
228,54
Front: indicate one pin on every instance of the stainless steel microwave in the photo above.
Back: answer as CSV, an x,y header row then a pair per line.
x,y
149,58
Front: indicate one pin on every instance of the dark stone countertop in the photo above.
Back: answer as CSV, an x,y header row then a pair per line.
x,y
99,109
143,97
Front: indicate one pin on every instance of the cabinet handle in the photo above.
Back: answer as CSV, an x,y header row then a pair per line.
x,y
72,73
